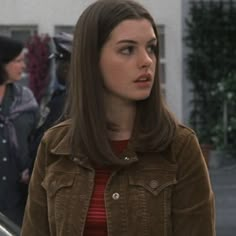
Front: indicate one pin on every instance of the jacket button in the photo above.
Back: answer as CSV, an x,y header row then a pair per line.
x,y
75,159
115,196
4,141
4,178
153,183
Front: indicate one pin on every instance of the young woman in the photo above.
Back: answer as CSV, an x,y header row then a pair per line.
x,y
18,117
121,164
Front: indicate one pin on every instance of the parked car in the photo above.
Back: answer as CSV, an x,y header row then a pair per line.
x,y
7,227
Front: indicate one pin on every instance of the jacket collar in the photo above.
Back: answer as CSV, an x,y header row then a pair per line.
x,y
62,144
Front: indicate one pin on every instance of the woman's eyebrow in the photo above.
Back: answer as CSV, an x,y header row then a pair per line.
x,y
154,39
127,41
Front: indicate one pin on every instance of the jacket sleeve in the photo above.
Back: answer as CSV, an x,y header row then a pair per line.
x,y
193,209
35,221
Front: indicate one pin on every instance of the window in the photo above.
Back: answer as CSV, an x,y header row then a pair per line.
x,y
64,28
18,32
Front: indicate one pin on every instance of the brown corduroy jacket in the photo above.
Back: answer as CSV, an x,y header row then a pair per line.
x,y
155,194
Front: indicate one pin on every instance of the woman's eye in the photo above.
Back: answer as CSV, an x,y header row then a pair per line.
x,y
152,48
127,50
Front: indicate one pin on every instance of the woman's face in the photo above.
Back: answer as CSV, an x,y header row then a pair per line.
x,y
128,61
15,68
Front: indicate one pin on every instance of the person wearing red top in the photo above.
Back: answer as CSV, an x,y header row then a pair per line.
x,y
121,164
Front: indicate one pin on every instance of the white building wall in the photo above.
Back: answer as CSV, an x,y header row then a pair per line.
x,y
47,14
169,13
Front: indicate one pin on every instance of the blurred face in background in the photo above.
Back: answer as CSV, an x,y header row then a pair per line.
x,y
15,68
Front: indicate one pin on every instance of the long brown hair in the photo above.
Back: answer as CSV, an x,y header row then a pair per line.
x,y
154,125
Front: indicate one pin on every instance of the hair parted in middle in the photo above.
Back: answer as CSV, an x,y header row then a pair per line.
x,y
154,125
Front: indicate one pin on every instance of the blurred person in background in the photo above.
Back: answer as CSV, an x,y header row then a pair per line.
x,y
18,118
54,108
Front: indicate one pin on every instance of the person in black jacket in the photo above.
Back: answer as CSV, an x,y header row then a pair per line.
x,y
18,119
51,113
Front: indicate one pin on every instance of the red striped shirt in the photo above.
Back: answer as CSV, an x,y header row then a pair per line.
x,y
96,223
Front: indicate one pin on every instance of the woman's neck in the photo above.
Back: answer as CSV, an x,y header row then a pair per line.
x,y
2,92
122,115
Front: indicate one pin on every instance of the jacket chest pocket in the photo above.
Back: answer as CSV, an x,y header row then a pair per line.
x,y
150,192
152,181
59,188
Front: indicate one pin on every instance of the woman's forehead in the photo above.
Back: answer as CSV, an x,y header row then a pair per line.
x,y
133,29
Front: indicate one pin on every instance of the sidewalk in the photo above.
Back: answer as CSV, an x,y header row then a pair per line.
x,y
224,185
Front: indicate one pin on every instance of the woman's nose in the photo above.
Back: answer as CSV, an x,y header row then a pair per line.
x,y
145,60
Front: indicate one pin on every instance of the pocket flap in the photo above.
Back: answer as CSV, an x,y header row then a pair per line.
x,y
153,181
55,181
